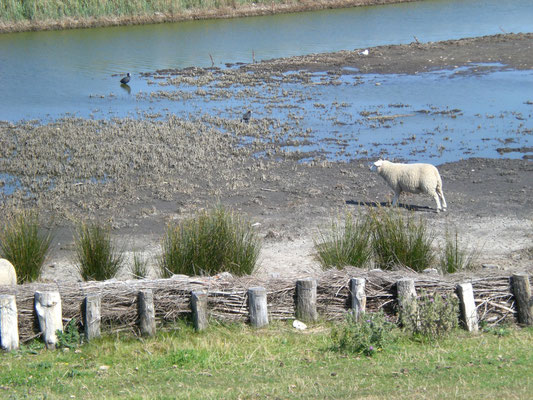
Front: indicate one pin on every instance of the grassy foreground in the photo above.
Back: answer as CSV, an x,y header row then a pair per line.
x,y
228,362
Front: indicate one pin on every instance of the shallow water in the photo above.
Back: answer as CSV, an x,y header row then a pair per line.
x,y
48,74
439,116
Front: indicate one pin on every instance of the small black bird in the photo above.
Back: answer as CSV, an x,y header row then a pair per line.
x,y
246,116
126,79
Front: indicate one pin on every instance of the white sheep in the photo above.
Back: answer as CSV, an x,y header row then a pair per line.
x,y
412,178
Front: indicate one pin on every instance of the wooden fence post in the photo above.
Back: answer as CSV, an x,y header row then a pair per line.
x,y
145,301
522,295
9,331
306,300
199,309
257,306
358,296
92,316
465,292
407,304
48,309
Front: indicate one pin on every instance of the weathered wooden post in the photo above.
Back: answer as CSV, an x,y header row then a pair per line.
x,y
92,316
306,300
145,301
48,309
465,292
9,331
257,306
199,309
358,297
522,295
407,304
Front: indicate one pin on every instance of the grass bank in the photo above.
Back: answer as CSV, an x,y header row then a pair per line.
x,y
229,362
33,15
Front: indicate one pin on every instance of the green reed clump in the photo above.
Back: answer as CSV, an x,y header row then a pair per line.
x,y
139,268
433,316
367,335
453,257
345,245
97,258
399,239
212,242
24,243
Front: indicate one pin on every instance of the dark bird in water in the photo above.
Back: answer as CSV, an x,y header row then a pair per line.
x,y
246,116
126,79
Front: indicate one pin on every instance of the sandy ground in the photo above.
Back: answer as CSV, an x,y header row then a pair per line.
x,y
160,172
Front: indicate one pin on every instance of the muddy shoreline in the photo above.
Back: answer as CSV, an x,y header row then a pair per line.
x,y
236,11
139,175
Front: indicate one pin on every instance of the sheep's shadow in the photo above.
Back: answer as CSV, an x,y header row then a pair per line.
x,y
410,207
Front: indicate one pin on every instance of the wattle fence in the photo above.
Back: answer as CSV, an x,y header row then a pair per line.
x,y
38,310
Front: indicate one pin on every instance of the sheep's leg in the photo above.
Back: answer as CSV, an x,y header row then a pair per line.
x,y
396,197
437,200
442,199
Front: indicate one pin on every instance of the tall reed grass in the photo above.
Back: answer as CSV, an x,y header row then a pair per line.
x,y
97,257
25,244
388,237
345,245
214,241
38,10
399,239
454,257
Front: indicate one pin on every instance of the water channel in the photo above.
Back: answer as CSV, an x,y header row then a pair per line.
x,y
46,75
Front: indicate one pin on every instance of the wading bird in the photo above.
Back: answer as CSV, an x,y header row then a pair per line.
x,y
126,79
246,117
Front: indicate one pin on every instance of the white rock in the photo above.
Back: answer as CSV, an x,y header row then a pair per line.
x,y
8,275
299,325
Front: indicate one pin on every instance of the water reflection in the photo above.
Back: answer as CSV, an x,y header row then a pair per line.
x,y
126,87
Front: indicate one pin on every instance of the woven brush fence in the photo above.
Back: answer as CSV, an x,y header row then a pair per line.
x,y
228,297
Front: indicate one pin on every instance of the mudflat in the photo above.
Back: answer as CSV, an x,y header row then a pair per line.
x,y
140,175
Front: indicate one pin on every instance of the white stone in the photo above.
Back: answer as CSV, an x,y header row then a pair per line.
x,y
8,275
299,325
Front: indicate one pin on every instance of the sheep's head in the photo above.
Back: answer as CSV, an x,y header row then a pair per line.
x,y
377,165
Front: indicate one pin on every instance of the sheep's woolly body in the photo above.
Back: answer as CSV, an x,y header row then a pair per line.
x,y
412,178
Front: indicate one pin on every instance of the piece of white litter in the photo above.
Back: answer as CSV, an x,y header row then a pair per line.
x,y
364,52
299,325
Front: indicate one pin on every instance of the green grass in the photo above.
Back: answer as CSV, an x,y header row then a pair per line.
x,y
17,10
345,244
399,239
230,362
139,266
388,237
214,241
25,244
97,258
454,258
